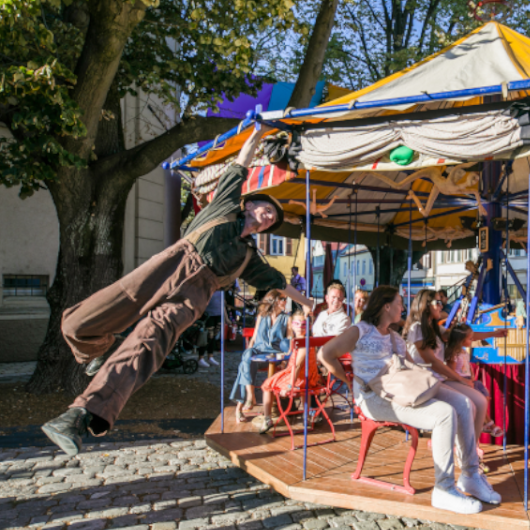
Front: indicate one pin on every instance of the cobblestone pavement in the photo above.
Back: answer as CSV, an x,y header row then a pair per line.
x,y
164,486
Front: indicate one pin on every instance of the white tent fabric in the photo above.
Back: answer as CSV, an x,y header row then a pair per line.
x,y
463,137
480,60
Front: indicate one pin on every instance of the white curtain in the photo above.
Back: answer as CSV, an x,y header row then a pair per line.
x,y
461,137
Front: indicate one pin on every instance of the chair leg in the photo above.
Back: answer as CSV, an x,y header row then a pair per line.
x,y
410,459
368,428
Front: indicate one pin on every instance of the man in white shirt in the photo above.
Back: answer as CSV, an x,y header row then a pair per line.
x,y
334,320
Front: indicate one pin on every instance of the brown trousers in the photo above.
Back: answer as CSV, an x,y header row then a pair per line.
x,y
171,291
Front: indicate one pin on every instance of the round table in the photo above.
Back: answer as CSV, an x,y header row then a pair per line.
x,y
272,359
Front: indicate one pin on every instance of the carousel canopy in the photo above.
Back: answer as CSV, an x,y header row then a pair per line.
x,y
409,147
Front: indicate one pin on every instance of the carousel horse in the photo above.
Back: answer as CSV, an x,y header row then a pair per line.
x,y
450,185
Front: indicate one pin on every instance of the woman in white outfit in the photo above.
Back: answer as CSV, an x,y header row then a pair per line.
x,y
426,344
448,416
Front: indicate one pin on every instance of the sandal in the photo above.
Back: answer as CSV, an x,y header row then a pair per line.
x,y
240,417
493,430
248,406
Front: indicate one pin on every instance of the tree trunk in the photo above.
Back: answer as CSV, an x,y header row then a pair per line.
x,y
314,57
90,258
393,264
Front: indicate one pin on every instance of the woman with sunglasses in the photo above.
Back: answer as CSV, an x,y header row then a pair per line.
x,y
426,345
270,336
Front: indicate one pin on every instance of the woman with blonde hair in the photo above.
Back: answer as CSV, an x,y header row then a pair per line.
x,y
270,335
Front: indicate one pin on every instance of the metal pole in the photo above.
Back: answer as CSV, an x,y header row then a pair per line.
x,y
355,250
308,320
409,259
348,286
222,361
378,254
527,364
505,383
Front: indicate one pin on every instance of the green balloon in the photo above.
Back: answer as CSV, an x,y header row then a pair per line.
x,y
402,155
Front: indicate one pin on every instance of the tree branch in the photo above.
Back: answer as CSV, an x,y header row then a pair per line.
x,y
111,24
369,63
430,10
315,54
140,160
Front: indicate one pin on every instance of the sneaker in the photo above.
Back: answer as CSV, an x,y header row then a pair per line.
x,y
203,363
67,429
478,486
454,501
211,360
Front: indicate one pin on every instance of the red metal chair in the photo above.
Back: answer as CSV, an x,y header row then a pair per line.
x,y
247,335
316,391
368,428
336,386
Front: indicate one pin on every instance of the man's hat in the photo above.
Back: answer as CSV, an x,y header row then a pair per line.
x,y
271,200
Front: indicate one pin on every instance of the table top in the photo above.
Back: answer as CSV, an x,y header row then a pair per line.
x,y
269,357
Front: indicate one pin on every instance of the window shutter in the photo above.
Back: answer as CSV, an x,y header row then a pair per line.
x,y
262,243
288,246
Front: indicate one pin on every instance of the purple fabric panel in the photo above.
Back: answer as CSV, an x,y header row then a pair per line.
x,y
239,107
243,103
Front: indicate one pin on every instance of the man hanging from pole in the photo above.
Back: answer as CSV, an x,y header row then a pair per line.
x,y
165,296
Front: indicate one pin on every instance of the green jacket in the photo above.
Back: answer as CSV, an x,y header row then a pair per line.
x,y
222,248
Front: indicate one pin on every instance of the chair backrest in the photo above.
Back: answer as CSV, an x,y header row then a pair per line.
x,y
248,332
314,342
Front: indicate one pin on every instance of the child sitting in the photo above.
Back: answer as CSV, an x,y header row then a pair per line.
x,y
293,375
457,358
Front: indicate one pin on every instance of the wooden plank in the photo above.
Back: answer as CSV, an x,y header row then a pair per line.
x,y
330,466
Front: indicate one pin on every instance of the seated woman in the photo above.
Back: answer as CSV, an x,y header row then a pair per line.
x,y
449,415
293,375
426,344
270,334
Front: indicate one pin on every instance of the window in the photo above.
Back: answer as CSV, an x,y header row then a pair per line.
x,y
370,267
277,246
353,267
516,252
358,268
427,261
364,267
318,261
24,285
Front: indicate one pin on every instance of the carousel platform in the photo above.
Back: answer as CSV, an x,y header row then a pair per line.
x,y
329,468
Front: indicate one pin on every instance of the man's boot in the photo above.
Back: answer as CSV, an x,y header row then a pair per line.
x,y
95,364
67,429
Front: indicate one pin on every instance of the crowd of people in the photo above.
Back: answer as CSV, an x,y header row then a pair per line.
x,y
372,333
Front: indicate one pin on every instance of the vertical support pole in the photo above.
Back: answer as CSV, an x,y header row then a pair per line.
x,y
506,300
527,365
492,284
348,283
222,361
409,259
355,251
308,321
244,306
378,254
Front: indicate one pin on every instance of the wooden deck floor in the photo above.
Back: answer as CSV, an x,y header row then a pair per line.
x,y
329,468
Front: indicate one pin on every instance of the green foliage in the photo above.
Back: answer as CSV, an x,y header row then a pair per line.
x,y
186,52
373,39
204,47
35,98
